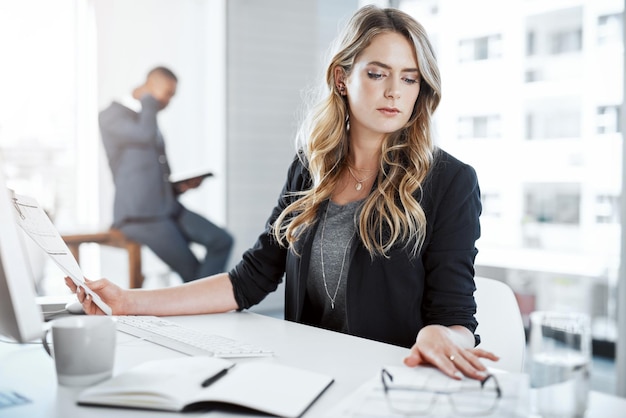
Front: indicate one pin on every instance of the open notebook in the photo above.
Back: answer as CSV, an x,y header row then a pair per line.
x,y
199,383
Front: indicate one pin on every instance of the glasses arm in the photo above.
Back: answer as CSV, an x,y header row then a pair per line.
x,y
490,376
383,375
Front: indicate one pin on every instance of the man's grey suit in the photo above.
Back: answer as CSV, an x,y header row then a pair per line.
x,y
146,207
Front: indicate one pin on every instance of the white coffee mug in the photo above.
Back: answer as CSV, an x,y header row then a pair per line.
x,y
83,348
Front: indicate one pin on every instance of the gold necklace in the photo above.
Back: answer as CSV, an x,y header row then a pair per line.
x,y
359,183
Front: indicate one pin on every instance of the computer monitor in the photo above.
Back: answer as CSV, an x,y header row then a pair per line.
x,y
20,316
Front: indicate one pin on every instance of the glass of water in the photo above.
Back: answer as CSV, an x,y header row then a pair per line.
x,y
560,363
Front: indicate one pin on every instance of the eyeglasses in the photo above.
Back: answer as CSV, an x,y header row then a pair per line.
x,y
480,399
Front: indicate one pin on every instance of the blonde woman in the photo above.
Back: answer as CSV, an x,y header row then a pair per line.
x,y
375,227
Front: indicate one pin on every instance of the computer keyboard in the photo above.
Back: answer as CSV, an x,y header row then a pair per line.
x,y
186,340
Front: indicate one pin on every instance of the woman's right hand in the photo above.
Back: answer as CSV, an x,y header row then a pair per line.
x,y
110,293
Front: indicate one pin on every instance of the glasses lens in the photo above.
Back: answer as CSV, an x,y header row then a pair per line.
x,y
409,400
476,401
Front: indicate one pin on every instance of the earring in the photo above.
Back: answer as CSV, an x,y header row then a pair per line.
x,y
342,89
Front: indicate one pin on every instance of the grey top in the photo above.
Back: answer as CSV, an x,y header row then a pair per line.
x,y
338,227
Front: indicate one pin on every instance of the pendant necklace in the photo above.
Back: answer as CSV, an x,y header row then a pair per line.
x,y
359,183
343,260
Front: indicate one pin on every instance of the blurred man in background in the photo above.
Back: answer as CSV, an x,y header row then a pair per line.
x,y
146,206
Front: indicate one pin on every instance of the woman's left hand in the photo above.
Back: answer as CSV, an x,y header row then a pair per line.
x,y
444,348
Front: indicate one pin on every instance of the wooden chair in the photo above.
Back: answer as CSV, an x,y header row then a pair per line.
x,y
112,238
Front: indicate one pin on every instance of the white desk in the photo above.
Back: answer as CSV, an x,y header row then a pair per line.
x,y
29,370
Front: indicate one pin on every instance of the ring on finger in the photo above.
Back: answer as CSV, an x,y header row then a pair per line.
x,y
452,357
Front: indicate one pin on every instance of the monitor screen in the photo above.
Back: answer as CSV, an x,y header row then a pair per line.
x,y
20,316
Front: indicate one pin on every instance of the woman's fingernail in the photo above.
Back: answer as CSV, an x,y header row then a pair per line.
x,y
458,374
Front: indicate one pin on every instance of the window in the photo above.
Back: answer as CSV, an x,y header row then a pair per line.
x,y
607,209
44,135
552,203
486,126
482,48
563,42
552,196
46,130
608,119
610,28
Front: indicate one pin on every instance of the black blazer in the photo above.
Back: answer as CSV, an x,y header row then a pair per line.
x,y
387,299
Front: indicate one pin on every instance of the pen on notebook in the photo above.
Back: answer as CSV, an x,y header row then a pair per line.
x,y
213,378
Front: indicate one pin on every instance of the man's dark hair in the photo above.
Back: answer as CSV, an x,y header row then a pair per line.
x,y
163,71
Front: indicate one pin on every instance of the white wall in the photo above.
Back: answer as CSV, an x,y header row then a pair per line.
x,y
188,37
275,53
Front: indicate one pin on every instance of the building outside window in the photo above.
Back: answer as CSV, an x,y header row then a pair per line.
x,y
551,184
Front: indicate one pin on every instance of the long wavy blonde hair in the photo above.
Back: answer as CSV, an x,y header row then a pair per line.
x,y
391,213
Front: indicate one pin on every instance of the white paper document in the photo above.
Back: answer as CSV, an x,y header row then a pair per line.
x,y
38,226
370,400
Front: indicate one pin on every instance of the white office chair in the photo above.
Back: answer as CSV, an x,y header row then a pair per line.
x,y
500,324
